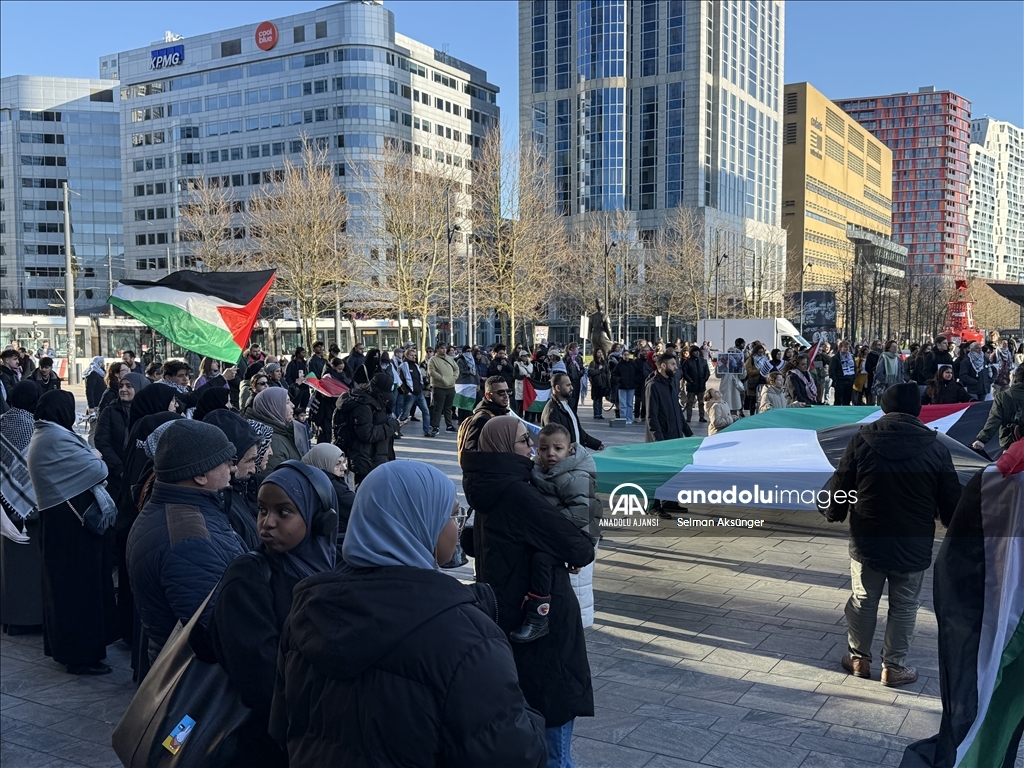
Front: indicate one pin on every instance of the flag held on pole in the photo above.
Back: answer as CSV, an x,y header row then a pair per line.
x,y
209,313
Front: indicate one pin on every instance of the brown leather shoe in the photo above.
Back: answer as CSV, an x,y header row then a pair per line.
x,y
857,666
893,677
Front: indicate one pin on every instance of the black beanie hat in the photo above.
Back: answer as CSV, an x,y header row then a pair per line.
x,y
902,398
189,448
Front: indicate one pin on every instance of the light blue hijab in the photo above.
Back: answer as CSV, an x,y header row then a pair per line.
x,y
398,513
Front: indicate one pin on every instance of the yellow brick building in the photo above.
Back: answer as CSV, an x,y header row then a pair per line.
x,y
836,183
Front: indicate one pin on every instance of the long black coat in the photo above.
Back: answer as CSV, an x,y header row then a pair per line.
x,y
904,480
111,431
399,666
514,520
79,608
95,386
664,416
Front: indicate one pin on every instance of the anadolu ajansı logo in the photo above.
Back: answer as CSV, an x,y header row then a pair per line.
x,y
628,499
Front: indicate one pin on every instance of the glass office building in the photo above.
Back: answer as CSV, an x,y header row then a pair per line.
x,y
655,104
231,106
52,130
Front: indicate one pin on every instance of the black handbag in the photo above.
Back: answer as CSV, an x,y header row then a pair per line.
x,y
185,712
92,518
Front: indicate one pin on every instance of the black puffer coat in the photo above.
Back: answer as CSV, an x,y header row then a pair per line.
x,y
904,479
513,520
399,666
365,431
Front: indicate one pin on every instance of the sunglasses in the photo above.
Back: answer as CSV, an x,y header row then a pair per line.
x,y
500,392
525,439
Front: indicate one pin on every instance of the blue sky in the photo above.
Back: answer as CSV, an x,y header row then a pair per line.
x,y
844,48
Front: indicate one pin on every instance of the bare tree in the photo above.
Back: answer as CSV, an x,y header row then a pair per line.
x,y
409,204
298,219
677,267
520,236
206,217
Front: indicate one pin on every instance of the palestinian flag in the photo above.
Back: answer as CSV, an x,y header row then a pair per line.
x,y
979,605
326,386
465,396
209,313
792,450
535,396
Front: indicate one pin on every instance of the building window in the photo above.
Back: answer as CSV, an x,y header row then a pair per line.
x,y
231,48
676,36
539,46
648,147
601,39
321,30
563,39
299,35
649,37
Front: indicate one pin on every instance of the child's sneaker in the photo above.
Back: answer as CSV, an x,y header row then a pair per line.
x,y
535,625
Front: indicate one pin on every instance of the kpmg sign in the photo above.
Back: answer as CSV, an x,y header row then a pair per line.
x,y
167,57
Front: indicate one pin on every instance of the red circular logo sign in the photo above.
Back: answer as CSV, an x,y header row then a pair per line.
x,y
266,36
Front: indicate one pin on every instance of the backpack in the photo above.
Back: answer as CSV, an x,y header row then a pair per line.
x,y
343,437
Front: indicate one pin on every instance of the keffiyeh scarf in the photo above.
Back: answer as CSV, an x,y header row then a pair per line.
x,y
16,427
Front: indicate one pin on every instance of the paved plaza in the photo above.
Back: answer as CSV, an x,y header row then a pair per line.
x,y
707,651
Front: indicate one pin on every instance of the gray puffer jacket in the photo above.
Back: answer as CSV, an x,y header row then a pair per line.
x,y
573,483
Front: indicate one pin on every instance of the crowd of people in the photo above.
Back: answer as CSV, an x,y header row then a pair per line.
x,y
280,508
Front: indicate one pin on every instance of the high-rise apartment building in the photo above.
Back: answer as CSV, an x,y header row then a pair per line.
x,y
929,135
52,130
651,105
229,107
836,191
995,206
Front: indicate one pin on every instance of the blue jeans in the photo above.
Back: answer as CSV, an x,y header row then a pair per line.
x,y
559,741
405,408
626,404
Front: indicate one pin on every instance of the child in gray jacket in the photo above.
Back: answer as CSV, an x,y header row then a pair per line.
x,y
567,473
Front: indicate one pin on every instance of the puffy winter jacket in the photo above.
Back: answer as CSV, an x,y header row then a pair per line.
x,y
625,374
399,666
572,486
178,548
904,479
365,431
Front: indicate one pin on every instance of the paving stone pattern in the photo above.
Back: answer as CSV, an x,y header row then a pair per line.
x,y
707,651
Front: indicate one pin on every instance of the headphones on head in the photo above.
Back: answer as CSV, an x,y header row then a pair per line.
x,y
325,520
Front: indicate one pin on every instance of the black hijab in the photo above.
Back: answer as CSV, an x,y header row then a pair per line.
x,y
58,406
26,395
238,430
150,400
215,399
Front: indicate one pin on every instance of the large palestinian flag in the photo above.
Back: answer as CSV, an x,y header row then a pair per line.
x,y
209,313
979,604
780,458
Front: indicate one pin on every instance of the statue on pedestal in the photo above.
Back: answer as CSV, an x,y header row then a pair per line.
x,y
600,333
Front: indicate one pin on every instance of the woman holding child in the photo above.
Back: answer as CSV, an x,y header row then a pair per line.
x,y
514,520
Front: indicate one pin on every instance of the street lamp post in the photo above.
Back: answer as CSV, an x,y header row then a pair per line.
x,y
718,270
607,292
803,272
69,290
451,301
